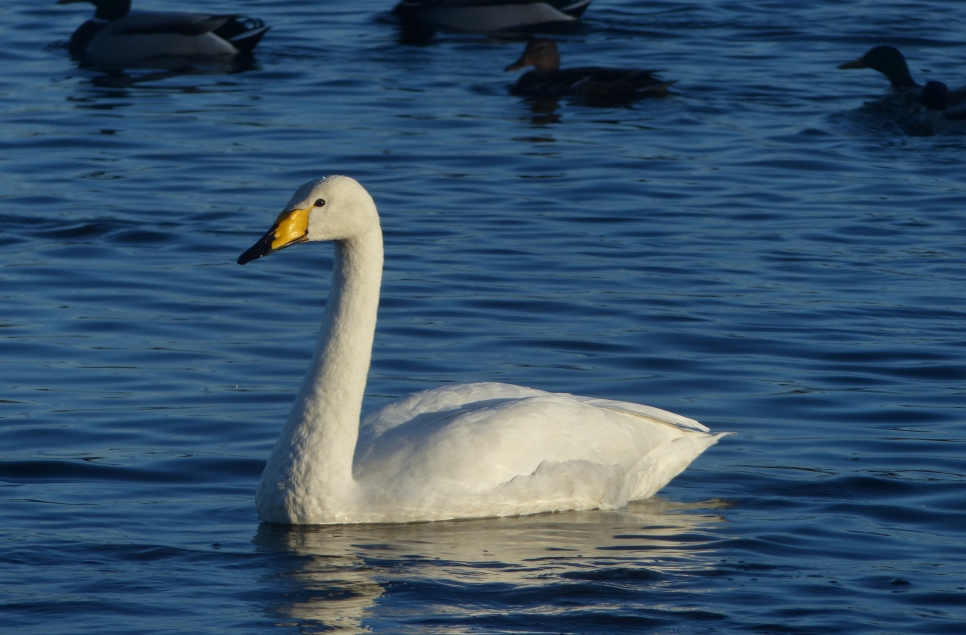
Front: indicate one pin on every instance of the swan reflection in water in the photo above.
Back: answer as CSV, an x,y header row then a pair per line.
x,y
341,577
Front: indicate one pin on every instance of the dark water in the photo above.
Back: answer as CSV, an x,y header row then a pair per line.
x,y
759,251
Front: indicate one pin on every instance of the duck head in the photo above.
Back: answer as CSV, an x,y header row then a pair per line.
x,y
106,9
888,61
540,53
331,208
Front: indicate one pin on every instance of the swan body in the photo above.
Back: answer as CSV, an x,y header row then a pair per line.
x,y
115,36
488,16
458,451
592,84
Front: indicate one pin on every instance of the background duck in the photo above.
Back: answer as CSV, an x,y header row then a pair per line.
x,y
116,36
891,63
946,110
937,96
888,61
596,85
490,15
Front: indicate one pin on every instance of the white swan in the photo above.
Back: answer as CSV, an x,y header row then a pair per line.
x,y
457,451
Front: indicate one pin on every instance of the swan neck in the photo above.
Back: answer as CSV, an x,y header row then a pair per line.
x,y
309,473
336,382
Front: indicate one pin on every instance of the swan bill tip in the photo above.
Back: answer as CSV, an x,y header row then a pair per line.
x,y
262,248
291,228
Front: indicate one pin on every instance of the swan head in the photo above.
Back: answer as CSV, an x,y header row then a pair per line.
x,y
331,208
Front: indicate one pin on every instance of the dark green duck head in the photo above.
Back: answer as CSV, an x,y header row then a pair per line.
x,y
888,61
106,9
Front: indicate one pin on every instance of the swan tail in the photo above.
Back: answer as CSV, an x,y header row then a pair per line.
x,y
664,462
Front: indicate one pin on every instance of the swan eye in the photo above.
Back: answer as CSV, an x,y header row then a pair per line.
x,y
320,202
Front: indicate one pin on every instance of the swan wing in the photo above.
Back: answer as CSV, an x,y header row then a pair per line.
x,y
445,401
496,449
481,436
649,413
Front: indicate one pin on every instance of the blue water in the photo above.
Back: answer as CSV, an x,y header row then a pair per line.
x,y
764,250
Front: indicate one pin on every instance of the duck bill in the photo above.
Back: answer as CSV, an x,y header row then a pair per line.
x,y
520,63
291,228
853,64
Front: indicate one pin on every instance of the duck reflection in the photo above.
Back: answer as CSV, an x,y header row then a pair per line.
x,y
113,90
129,78
343,574
544,111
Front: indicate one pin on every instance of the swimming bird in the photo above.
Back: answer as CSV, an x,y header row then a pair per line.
x,y
889,61
458,451
116,36
945,108
488,16
595,85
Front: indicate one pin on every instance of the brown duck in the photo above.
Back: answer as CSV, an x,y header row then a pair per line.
x,y
596,85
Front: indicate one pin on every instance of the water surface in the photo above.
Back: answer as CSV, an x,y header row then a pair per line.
x,y
764,250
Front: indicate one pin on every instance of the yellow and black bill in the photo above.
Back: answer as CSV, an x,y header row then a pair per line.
x,y
291,228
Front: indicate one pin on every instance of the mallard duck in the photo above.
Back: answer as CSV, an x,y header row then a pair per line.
x,y
590,83
115,36
488,16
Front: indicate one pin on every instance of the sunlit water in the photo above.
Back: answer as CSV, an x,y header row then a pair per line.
x,y
759,251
